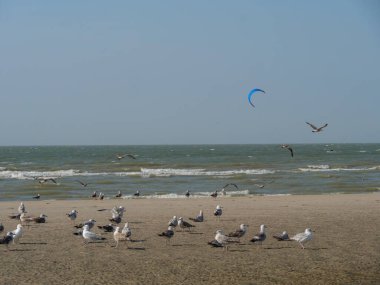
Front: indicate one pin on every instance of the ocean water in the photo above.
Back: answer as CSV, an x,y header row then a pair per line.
x,y
167,171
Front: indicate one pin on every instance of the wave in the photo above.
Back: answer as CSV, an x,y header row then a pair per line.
x,y
328,169
147,172
32,174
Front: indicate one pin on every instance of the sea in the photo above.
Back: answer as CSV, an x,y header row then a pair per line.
x,y
168,171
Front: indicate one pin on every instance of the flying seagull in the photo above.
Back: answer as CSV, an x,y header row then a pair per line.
x,y
37,197
288,148
228,184
121,156
315,129
43,180
82,183
303,237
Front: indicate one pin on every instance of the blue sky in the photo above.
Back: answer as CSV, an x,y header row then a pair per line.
x,y
178,72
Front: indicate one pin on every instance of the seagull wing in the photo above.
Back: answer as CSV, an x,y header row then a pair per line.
x,y
311,125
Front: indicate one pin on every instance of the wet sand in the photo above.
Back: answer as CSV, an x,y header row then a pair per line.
x,y
345,248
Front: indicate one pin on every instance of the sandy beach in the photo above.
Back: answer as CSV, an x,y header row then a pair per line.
x,y
345,248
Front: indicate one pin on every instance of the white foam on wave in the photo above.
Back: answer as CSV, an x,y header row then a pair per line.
x,y
14,174
339,169
147,172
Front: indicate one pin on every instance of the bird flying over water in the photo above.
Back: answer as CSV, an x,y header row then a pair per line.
x,y
121,156
84,184
288,148
315,129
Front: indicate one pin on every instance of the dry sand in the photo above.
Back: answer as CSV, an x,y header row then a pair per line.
x,y
345,248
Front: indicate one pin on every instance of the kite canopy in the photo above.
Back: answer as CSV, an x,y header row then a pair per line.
x,y
251,93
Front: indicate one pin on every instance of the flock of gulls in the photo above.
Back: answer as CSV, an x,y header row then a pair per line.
x,y
124,233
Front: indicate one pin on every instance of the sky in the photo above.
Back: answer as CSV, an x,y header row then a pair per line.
x,y
179,72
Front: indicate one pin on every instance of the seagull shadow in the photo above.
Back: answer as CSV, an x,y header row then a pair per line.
x,y
193,233
17,249
33,242
237,250
137,240
316,248
283,247
101,210
136,248
136,222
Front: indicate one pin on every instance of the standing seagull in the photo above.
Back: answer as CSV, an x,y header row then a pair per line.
x,y
315,129
41,219
218,212
118,236
21,208
173,222
261,236
198,218
288,148
239,232
72,215
90,236
90,224
303,237
118,195
17,233
7,239
137,194
168,234
126,231
187,193
184,225
220,240
214,194
1,228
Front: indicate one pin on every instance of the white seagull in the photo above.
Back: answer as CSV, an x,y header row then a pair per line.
x,y
118,236
303,237
261,236
17,233
90,236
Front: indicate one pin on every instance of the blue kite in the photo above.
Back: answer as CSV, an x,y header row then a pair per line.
x,y
251,93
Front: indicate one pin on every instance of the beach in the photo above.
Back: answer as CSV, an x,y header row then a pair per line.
x,y
345,248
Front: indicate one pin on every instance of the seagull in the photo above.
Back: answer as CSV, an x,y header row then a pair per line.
x,y
82,183
72,215
218,211
168,234
303,237
289,148
37,197
26,219
261,236
101,196
43,180
239,232
221,240
187,193
198,218
117,214
228,184
121,156
90,236
118,195
1,228
184,225
126,231
137,194
118,236
107,228
21,208
17,233
315,129
7,239
214,194
90,224
94,195
173,222
41,219
282,237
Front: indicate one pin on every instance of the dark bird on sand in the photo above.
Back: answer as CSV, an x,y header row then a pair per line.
x,y
316,129
282,237
168,234
239,232
41,219
184,225
214,194
198,218
107,228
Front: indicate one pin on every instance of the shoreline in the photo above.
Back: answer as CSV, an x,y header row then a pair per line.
x,y
345,248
